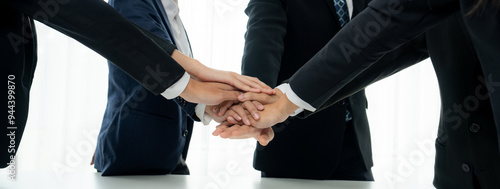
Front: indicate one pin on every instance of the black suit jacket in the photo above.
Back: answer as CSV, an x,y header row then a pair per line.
x,y
281,37
467,145
95,24
384,26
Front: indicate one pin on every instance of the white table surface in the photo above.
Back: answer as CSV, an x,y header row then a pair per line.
x,y
89,180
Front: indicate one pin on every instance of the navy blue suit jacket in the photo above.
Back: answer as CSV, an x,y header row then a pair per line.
x,y
142,133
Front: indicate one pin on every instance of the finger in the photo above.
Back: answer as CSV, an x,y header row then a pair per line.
x,y
258,105
261,97
253,83
258,82
224,107
231,119
244,85
246,131
266,136
228,132
242,113
262,123
269,91
232,114
216,109
220,128
250,107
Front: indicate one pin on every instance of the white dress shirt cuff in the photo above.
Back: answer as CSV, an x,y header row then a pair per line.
x,y
287,89
176,89
200,112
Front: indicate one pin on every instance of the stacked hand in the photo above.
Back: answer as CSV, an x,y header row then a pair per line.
x,y
242,115
210,86
255,115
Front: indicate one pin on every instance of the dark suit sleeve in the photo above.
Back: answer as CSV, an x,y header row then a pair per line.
x,y
379,29
264,40
99,27
403,57
144,15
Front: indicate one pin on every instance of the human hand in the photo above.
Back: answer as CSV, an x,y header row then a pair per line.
x,y
201,72
209,93
242,82
273,113
228,130
221,118
256,99
245,110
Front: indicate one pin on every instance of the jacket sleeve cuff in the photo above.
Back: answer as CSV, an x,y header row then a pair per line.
x,y
286,89
177,88
200,113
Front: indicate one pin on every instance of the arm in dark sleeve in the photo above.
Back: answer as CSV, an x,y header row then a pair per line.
x,y
379,29
403,57
99,27
264,38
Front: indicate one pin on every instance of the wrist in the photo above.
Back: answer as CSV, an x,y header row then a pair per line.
x,y
285,106
209,110
279,93
188,91
196,68
191,65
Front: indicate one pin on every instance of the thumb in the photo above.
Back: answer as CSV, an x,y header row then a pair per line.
x,y
230,95
266,136
249,96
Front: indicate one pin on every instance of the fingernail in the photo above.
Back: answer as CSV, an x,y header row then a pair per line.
x,y
238,118
247,121
256,115
231,119
260,107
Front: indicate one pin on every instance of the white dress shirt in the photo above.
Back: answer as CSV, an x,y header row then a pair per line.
x,y
294,98
181,41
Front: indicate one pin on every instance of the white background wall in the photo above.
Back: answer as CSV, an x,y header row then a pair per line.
x,y
68,99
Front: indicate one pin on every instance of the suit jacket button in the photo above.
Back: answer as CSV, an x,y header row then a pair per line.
x,y
342,102
474,128
181,100
465,168
185,133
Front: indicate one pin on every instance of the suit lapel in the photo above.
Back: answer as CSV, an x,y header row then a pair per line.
x,y
358,6
159,6
331,6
